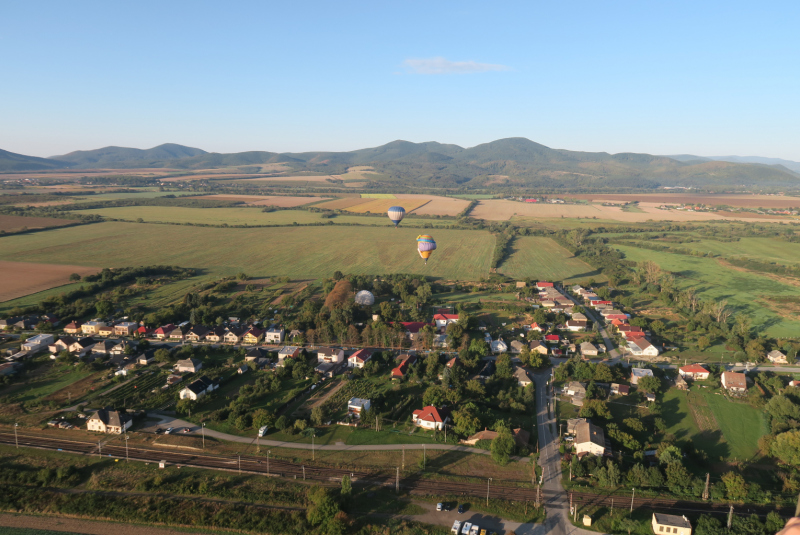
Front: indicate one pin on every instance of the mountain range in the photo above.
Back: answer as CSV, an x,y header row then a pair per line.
x,y
510,162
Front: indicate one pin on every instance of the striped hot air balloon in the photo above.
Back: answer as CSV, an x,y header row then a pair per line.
x,y
425,246
396,214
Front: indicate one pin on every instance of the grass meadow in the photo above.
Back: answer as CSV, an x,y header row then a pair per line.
x,y
758,296
297,252
544,259
761,249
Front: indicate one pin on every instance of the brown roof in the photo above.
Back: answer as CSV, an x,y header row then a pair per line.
x,y
588,432
735,380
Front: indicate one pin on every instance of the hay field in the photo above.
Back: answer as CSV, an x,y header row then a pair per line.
x,y
744,201
12,223
378,196
314,252
24,278
437,205
281,201
208,216
281,178
378,206
343,204
544,259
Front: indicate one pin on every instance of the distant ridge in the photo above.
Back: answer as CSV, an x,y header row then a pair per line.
x,y
502,164
788,164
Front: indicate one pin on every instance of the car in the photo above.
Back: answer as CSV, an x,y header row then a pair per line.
x,y
159,431
483,531
168,431
445,506
186,429
461,509
439,506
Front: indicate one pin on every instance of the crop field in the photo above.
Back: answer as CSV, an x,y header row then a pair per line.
x,y
13,223
293,179
208,216
377,196
125,196
747,292
761,249
281,201
436,205
24,278
743,201
315,251
544,259
378,206
343,204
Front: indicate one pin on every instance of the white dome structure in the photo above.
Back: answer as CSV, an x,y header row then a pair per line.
x,y
365,298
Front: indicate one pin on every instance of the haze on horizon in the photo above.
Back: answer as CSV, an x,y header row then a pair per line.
x,y
710,79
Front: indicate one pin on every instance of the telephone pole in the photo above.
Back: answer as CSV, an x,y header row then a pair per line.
x,y
240,463
487,491
404,458
126,448
16,440
268,452
304,472
705,492
730,517
397,482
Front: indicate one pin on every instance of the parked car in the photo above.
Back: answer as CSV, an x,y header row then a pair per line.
x,y
439,506
168,431
461,509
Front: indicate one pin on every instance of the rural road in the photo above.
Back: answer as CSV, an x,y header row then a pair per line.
x,y
557,506
592,315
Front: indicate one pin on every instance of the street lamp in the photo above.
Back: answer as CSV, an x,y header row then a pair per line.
x,y
487,491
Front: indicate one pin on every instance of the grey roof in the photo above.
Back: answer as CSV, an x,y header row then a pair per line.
x,y
588,432
672,520
110,417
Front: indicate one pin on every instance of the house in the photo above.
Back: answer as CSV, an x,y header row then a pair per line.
x,y
794,383
359,358
188,366
538,347
144,332
8,323
288,352
680,383
74,327
329,354
694,371
255,353
197,333
734,382
82,346
522,377
649,396
443,320
104,347
642,347
552,338
618,323
199,388
412,328
147,357
243,369
401,370
8,368
629,331
572,424
577,325
776,357
589,439
327,369
542,285
620,390
109,421
516,346
216,335
356,406
91,327
671,524
521,437
536,327
574,388
487,371
125,328
233,335
37,343
498,346
274,335
253,336
588,349
638,373
62,344
578,316
430,417
162,333
105,330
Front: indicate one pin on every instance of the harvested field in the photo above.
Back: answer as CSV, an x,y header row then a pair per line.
x,y
378,206
378,196
437,205
544,259
13,223
744,201
752,215
343,204
503,210
461,254
281,201
24,278
281,178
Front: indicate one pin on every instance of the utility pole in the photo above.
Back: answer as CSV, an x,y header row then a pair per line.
x,y
730,517
404,458
313,455
258,446
203,430
304,472
268,452
397,482
16,440
423,457
612,506
487,491
126,448
705,492
632,495
99,448
570,471
538,487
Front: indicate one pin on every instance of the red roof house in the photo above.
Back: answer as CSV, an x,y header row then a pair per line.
x,y
163,332
430,417
552,338
694,371
400,371
541,285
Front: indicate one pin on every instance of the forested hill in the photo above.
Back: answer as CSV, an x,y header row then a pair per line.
x,y
11,161
505,163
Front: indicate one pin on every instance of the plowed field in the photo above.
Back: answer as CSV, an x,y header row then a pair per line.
x,y
11,223
378,206
24,278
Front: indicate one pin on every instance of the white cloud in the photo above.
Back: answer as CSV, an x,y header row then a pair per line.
x,y
443,66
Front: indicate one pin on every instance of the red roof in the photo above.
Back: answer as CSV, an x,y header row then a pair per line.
x,y
694,368
630,328
400,371
362,354
431,414
531,200
144,330
445,317
413,326
452,362
616,316
632,336
552,338
544,284
166,329
617,322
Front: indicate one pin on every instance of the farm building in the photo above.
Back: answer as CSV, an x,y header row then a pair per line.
x,y
734,382
694,371
638,373
431,418
672,524
109,421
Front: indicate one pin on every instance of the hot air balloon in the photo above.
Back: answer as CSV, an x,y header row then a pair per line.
x,y
425,246
396,214
365,298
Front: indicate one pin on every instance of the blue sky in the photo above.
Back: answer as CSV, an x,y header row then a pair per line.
x,y
708,78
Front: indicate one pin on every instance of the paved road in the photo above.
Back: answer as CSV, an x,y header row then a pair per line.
x,y
557,506
171,421
595,317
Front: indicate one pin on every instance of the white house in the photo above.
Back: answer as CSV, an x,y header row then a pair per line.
x,y
330,354
199,388
38,342
359,358
443,320
589,439
641,347
274,335
776,357
588,349
431,418
694,371
188,365
358,405
734,382
671,524
109,421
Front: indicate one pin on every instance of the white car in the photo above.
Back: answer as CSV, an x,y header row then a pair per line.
x,y
168,431
439,506
465,528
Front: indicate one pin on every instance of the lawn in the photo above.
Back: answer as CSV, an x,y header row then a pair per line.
x,y
298,252
543,259
48,378
35,298
750,293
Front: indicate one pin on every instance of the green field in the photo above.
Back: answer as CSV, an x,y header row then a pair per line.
x,y
137,195
244,216
761,249
750,293
297,252
544,259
